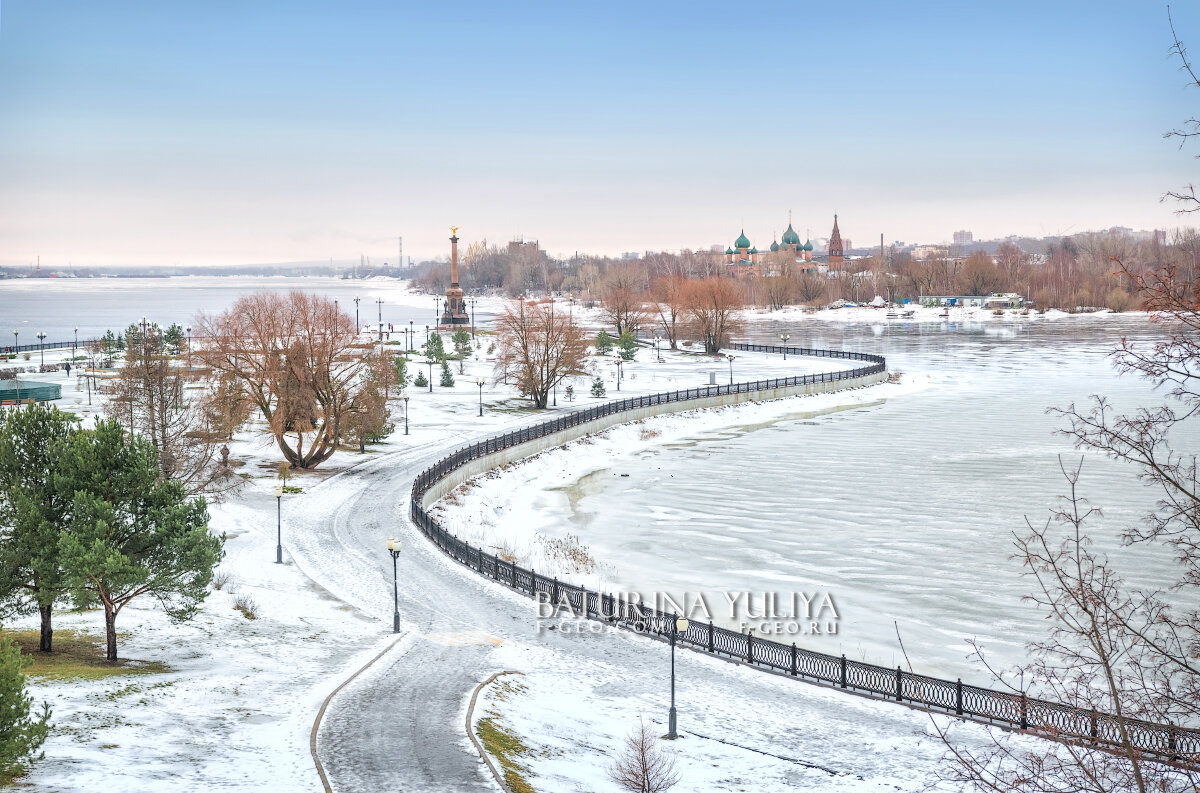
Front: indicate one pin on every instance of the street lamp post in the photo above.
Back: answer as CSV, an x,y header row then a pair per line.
x,y
426,334
404,396
783,337
437,317
393,546
278,524
618,362
479,382
412,335
472,319
16,340
379,303
429,360
189,333
731,357
75,346
357,327
678,625
42,346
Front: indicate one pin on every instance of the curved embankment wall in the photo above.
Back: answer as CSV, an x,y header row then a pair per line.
x,y
560,437
1013,710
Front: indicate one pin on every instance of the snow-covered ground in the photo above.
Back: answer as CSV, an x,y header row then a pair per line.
x,y
235,710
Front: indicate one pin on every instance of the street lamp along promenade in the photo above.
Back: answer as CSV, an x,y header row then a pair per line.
x,y
404,396
731,357
479,381
278,524
783,337
678,625
42,346
393,546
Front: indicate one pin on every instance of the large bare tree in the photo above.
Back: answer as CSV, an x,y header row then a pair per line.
x,y
540,346
151,398
668,293
296,358
623,296
714,310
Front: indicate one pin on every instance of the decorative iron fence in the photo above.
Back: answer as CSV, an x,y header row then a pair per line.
x,y
1006,708
50,345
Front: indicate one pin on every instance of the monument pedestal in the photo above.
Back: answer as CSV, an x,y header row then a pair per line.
x,y
454,308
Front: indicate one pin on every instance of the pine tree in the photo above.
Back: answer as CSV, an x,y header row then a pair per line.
x,y
21,733
462,343
434,348
400,363
627,344
597,387
447,380
420,381
33,511
131,533
604,342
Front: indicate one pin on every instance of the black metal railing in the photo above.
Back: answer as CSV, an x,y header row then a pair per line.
x,y
1007,708
50,345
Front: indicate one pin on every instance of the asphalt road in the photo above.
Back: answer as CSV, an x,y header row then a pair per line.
x,y
399,726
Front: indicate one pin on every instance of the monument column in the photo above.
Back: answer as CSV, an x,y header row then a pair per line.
x,y
454,312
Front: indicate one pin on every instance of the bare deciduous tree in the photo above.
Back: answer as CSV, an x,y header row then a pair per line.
x,y
296,358
1120,650
539,346
150,397
623,295
643,766
668,295
713,308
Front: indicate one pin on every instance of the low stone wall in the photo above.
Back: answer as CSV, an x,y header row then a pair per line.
x,y
520,452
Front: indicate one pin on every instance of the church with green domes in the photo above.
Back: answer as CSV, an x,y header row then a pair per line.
x,y
744,259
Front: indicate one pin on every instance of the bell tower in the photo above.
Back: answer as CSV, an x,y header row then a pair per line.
x,y
837,254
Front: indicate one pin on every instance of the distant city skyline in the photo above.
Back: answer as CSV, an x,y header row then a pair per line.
x,y
151,133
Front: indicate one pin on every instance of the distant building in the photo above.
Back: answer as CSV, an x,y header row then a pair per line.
x,y
520,245
837,251
745,259
630,256
963,238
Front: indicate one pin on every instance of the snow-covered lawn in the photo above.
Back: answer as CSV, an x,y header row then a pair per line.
x,y
235,709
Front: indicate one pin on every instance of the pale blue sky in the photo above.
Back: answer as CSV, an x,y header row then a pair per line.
x,y
194,132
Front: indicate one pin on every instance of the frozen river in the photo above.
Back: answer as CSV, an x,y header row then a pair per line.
x,y
902,510
55,306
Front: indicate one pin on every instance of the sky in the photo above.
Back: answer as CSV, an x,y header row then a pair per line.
x,y
223,132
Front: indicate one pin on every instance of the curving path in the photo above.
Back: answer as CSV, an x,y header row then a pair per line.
x,y
399,725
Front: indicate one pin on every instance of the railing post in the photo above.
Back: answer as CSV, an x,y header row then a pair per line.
x,y
710,637
1171,742
958,697
554,594
899,689
1024,712
1094,725
843,670
583,597
749,648
793,658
